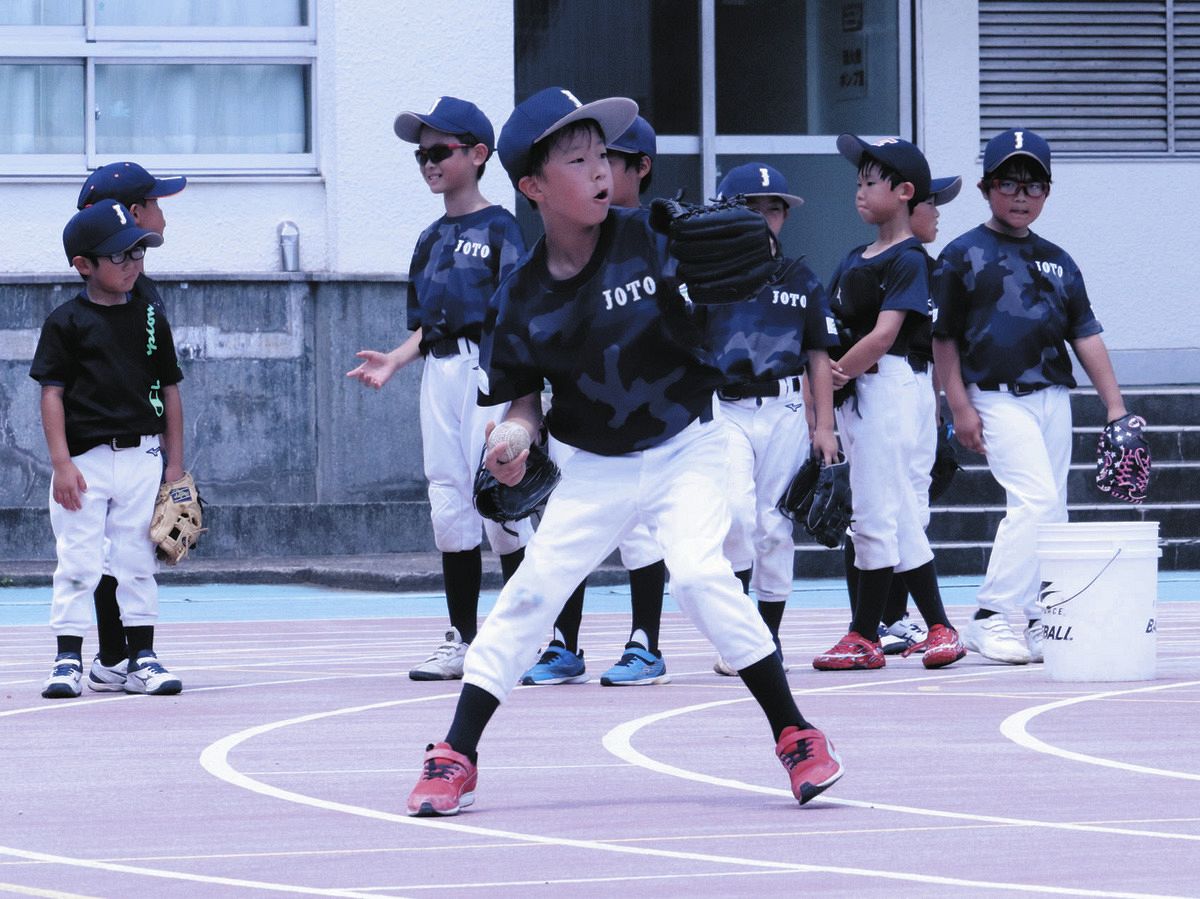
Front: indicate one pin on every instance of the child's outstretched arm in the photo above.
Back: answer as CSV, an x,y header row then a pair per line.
x,y
1093,356
968,427
173,438
377,368
68,482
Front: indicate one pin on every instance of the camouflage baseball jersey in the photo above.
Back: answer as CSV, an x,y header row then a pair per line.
x,y
766,338
1011,303
896,279
617,343
458,262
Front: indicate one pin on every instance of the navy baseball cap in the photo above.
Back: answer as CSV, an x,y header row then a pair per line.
x,y
127,183
757,179
943,190
549,110
450,115
1016,142
105,228
638,138
893,152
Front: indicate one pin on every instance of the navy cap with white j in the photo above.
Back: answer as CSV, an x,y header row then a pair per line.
x,y
1016,142
638,138
897,154
449,115
549,110
943,190
757,179
105,228
127,183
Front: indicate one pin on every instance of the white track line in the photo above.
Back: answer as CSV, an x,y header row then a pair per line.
x,y
1015,728
215,760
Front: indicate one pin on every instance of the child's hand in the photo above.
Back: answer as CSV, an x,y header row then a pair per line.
x,y
825,445
172,472
839,376
68,486
508,473
968,430
377,368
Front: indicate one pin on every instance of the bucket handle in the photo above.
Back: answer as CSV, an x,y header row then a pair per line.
x,y
1054,605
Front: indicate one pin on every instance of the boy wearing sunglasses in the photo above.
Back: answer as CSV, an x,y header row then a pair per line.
x,y
139,191
458,262
1009,302
110,412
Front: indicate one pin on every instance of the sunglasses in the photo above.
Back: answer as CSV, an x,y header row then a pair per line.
x,y
1011,188
134,253
437,153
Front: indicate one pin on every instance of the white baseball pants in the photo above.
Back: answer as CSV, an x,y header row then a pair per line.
x,y
452,438
925,450
109,535
768,441
678,489
879,441
1028,441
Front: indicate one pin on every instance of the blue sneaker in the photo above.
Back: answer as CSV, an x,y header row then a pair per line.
x,y
558,665
638,667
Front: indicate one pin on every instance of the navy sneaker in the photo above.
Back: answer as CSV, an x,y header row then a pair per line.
x,y
637,667
558,665
900,636
147,675
65,678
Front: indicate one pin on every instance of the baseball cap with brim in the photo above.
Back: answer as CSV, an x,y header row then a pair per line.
x,y
1016,142
105,228
897,154
757,179
546,112
638,138
943,190
451,116
127,183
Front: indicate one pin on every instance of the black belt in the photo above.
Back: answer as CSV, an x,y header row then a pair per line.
x,y
919,364
1014,389
752,389
444,348
119,442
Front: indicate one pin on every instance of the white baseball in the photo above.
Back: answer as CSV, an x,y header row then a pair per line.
x,y
513,435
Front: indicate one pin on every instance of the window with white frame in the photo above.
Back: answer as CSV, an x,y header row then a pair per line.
x,y
724,82
206,85
1107,77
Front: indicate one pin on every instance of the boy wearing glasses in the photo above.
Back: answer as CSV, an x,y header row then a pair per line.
x,y
139,191
595,310
1008,302
110,412
458,262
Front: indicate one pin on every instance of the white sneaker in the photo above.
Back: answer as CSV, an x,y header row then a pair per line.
x,y
147,675
108,679
994,639
64,679
900,635
446,663
724,668
1035,639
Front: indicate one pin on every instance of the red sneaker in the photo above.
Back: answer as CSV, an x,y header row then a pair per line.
x,y
852,652
811,761
942,647
447,783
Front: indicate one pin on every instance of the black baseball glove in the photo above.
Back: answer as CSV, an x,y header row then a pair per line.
x,y
798,497
945,463
1123,459
502,503
819,495
725,250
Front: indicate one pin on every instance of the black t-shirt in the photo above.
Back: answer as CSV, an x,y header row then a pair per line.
x,y
897,278
112,363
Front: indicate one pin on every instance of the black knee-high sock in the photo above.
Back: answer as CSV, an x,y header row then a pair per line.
x,y
851,575
509,562
872,594
566,625
646,596
923,584
462,573
67,645
896,606
767,683
139,639
472,714
744,577
772,614
110,633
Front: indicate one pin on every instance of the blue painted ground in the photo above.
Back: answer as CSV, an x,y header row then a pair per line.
x,y
267,602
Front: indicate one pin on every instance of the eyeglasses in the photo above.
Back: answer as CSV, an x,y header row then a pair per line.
x,y
437,153
1011,188
133,253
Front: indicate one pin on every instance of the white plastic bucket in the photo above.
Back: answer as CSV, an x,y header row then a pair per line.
x,y
1098,595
